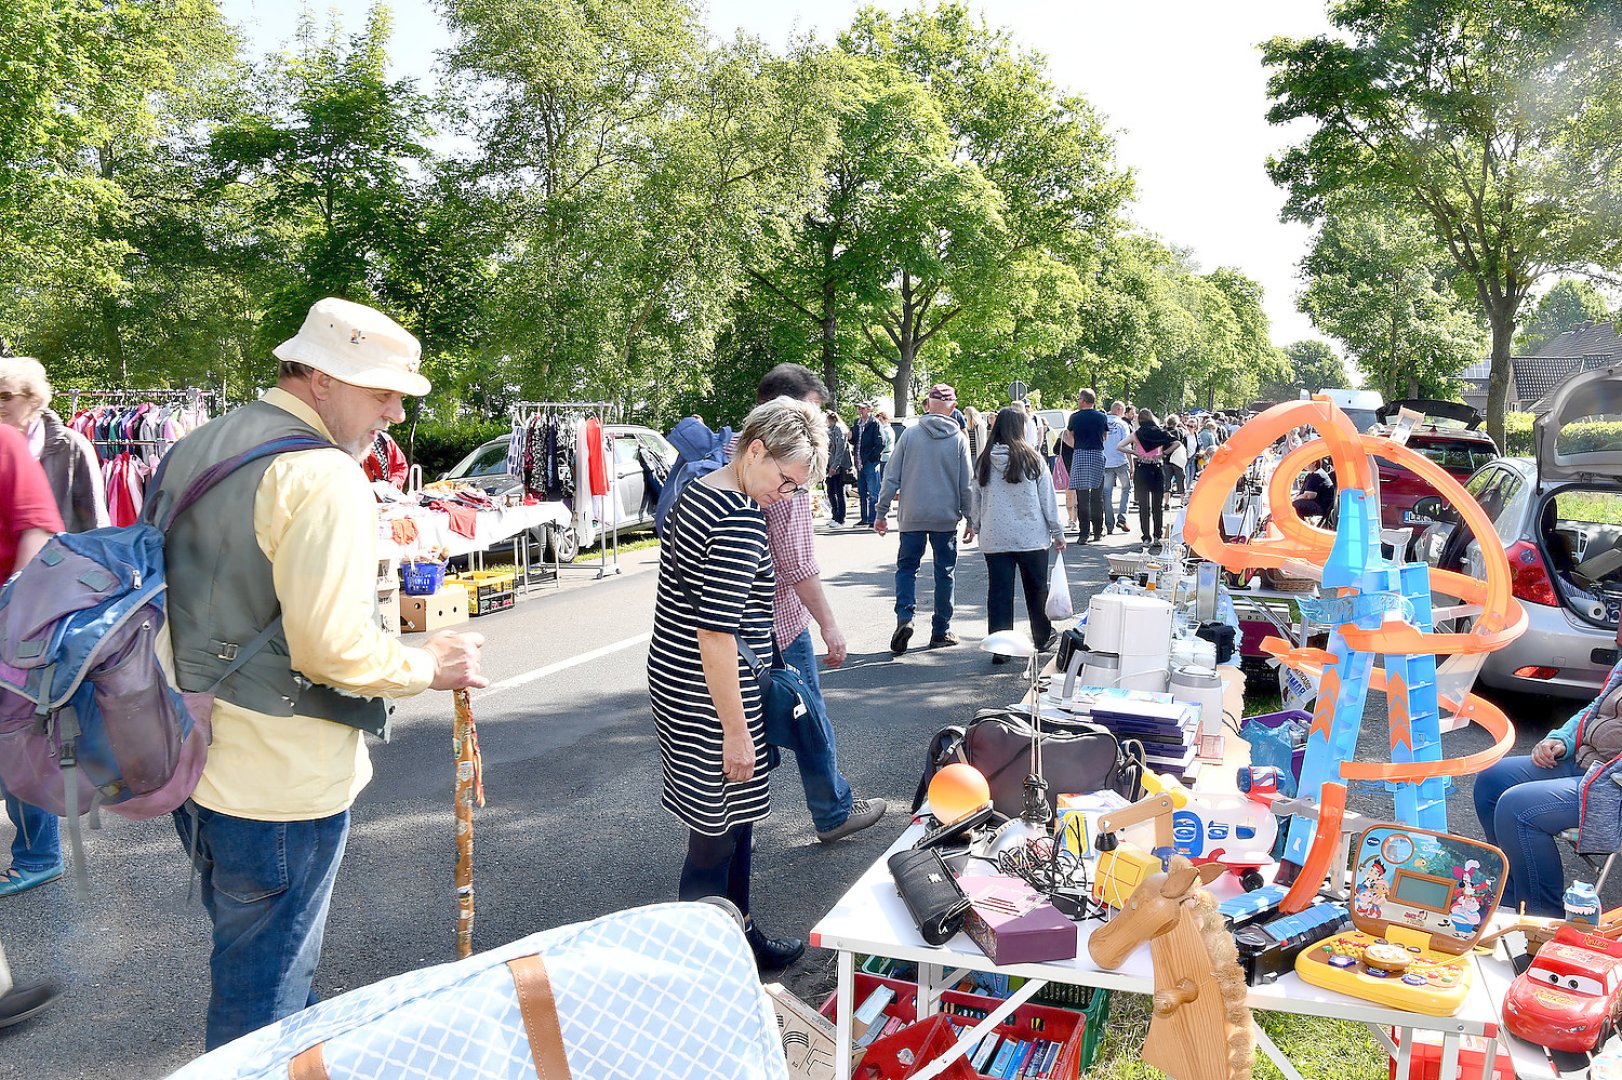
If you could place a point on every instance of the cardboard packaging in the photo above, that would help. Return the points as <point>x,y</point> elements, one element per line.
<point>808,1037</point>
<point>447,607</point>
<point>1078,819</point>
<point>1012,924</point>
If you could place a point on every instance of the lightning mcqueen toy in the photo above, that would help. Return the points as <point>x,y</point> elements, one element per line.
<point>1571,997</point>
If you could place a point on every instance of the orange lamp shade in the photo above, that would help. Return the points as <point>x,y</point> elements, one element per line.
<point>957,791</point>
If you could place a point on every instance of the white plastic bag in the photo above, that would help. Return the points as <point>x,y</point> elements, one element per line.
<point>1059,605</point>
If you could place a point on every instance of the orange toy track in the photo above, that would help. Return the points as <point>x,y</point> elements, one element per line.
<point>1288,538</point>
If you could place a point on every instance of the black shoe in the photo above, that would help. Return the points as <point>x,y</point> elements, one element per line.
<point>863,812</point>
<point>772,953</point>
<point>24,1001</point>
<point>1048,642</point>
<point>941,641</point>
<point>899,639</point>
<point>1145,539</point>
<point>1098,537</point>
<point>1000,658</point>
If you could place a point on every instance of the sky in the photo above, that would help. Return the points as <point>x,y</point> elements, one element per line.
<point>1179,82</point>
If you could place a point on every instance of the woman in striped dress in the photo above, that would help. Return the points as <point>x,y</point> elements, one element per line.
<point>716,586</point>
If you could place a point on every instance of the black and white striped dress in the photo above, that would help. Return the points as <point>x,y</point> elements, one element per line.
<point>717,548</point>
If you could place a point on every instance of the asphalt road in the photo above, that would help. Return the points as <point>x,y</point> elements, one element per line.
<point>572,829</point>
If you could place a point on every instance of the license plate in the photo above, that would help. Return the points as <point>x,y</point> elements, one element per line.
<point>1411,518</point>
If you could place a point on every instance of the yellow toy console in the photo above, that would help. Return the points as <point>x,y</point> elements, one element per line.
<point>1420,907</point>
<point>1121,871</point>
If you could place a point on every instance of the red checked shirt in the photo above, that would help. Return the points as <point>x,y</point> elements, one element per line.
<point>790,537</point>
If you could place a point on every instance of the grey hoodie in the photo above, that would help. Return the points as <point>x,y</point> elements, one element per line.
<point>1014,517</point>
<point>930,463</point>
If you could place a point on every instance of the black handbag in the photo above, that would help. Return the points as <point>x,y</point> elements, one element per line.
<point>1077,758</point>
<point>933,897</point>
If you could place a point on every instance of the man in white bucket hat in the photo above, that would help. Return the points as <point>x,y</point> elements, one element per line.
<point>272,607</point>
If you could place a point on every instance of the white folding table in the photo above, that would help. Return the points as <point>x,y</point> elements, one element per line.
<point>871,919</point>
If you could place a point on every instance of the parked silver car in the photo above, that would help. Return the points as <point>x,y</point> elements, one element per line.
<point>487,466</point>
<point>1559,517</point>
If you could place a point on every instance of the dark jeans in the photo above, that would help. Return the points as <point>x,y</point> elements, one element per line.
<point>719,866</point>
<point>1090,509</point>
<point>1032,567</point>
<point>266,886</point>
<point>836,498</point>
<point>1522,809</point>
<point>38,843</point>
<point>910,557</point>
<point>1150,482</point>
<point>867,491</point>
<point>827,795</point>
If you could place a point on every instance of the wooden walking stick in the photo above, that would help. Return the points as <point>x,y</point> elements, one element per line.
<point>469,786</point>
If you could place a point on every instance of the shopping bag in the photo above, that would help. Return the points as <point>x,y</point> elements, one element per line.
<point>1059,605</point>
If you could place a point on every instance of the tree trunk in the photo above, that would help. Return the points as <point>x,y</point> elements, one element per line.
<point>1502,320</point>
<point>830,329</point>
<point>906,350</point>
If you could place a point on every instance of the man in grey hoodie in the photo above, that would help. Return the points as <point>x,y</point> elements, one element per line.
<point>930,463</point>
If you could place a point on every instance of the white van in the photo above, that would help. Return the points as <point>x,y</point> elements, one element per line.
<point>1359,405</point>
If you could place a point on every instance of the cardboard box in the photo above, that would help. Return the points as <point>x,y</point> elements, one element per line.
<point>447,607</point>
<point>808,1036</point>
<point>1012,924</point>
<point>1078,819</point>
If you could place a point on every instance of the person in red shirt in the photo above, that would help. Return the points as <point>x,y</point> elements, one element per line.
<point>386,461</point>
<point>28,517</point>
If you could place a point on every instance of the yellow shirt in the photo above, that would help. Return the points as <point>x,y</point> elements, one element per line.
<point>316,521</point>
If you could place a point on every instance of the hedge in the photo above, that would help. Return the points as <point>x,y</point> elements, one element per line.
<point>440,444</point>
<point>1574,439</point>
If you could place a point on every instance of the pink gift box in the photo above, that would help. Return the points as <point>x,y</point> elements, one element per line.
<point>1013,924</point>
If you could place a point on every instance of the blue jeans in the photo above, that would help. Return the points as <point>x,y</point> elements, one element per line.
<point>1522,809</point>
<point>827,795</point>
<point>266,885</point>
<point>38,843</point>
<point>867,491</point>
<point>1117,477</point>
<point>910,557</point>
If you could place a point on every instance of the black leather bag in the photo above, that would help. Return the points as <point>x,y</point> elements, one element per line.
<point>933,897</point>
<point>1077,758</point>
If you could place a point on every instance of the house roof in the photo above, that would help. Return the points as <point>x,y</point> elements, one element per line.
<point>1584,347</point>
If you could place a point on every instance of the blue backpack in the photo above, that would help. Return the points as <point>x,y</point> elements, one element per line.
<point>88,717</point>
<point>699,452</point>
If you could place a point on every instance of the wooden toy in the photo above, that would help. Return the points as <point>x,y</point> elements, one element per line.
<point>1199,997</point>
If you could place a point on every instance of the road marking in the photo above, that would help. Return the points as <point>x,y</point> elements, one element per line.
<point>563,665</point>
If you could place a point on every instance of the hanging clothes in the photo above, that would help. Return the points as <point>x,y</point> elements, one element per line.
<point>597,459</point>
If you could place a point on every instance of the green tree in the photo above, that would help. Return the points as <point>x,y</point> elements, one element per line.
<point>1495,120</point>
<point>1569,302</point>
<point>1378,281</point>
<point>1313,366</point>
<point>1004,217</point>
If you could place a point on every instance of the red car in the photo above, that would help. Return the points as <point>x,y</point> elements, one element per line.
<point>1448,435</point>
<point>1568,999</point>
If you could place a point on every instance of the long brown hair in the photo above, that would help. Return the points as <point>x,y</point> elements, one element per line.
<point>1024,463</point>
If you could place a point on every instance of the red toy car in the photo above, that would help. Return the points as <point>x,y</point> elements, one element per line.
<point>1569,998</point>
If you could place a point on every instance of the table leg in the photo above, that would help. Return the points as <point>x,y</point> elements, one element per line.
<point>1274,1054</point>
<point>1405,1054</point>
<point>1489,1060</point>
<point>1450,1056</point>
<point>843,1006</point>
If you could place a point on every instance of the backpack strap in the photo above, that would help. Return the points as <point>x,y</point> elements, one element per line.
<point>211,476</point>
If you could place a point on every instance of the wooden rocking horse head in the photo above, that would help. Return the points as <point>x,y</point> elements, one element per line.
<point>1199,998</point>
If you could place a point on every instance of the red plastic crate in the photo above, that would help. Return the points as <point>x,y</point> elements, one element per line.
<point>1427,1059</point>
<point>1063,1026</point>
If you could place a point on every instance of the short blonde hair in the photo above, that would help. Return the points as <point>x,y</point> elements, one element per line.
<point>25,377</point>
<point>791,430</point>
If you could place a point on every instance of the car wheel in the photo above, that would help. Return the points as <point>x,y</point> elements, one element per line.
<point>1251,879</point>
<point>562,545</point>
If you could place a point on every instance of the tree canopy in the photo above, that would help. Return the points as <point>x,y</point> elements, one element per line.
<point>1493,120</point>
<point>1568,302</point>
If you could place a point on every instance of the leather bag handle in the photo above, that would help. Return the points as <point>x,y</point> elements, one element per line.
<point>536,1004</point>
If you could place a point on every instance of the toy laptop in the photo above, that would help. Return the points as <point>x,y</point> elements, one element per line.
<point>1422,901</point>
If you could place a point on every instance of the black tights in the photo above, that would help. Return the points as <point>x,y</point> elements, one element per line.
<point>1151,483</point>
<point>719,866</point>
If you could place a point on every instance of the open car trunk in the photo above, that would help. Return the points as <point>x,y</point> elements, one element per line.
<point>1578,431</point>
<point>1580,532</point>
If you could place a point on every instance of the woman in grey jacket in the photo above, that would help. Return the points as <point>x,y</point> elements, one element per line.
<point>1017,519</point>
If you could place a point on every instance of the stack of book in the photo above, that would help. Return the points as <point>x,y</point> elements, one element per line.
<point>1168,730</point>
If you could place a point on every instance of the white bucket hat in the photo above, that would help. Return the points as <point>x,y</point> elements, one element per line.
<point>360,346</point>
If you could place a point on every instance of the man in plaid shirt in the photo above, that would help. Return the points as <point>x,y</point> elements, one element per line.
<point>834,810</point>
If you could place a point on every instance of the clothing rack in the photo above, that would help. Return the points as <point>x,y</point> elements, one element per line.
<point>608,412</point>
<point>194,397</point>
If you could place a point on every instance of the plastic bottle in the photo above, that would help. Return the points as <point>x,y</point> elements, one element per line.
<point>1582,904</point>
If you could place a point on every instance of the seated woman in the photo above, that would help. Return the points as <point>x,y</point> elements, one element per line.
<point>1524,803</point>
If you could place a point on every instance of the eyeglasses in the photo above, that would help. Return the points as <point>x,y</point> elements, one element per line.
<point>788,486</point>
<point>7,395</point>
